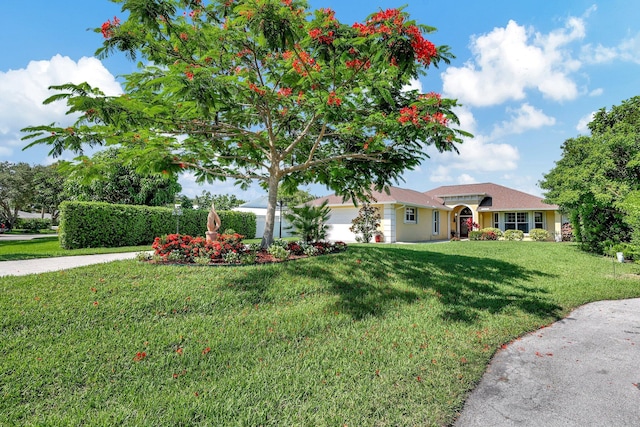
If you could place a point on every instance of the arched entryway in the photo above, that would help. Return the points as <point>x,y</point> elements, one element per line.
<point>463,216</point>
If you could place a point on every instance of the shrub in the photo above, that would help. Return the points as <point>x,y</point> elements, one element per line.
<point>484,234</point>
<point>567,232</point>
<point>33,225</point>
<point>629,251</point>
<point>539,234</point>
<point>366,223</point>
<point>278,252</point>
<point>513,235</point>
<point>494,230</point>
<point>309,222</point>
<point>475,235</point>
<point>97,224</point>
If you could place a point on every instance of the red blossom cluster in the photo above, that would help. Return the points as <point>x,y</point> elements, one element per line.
<point>257,90</point>
<point>108,26</point>
<point>321,37</point>
<point>432,95</point>
<point>193,247</point>
<point>357,64</point>
<point>285,91</point>
<point>391,21</point>
<point>411,114</point>
<point>333,99</point>
<point>302,62</point>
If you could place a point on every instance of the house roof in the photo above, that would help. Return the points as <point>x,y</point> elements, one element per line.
<point>493,197</point>
<point>396,195</point>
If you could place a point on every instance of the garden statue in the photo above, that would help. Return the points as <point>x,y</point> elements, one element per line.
<point>213,224</point>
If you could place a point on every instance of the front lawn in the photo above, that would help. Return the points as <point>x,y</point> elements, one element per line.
<point>379,335</point>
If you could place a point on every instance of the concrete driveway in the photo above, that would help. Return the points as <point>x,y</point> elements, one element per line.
<point>582,371</point>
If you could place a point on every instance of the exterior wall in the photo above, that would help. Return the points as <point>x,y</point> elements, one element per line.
<point>485,220</point>
<point>388,223</point>
<point>423,230</point>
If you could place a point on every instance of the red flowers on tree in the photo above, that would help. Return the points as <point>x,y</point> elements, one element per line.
<point>218,96</point>
<point>108,26</point>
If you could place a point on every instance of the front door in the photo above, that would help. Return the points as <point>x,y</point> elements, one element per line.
<point>464,216</point>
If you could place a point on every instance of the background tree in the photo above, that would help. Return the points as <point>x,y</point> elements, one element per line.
<point>48,183</point>
<point>309,222</point>
<point>366,223</point>
<point>263,90</point>
<point>16,190</point>
<point>597,180</point>
<point>105,179</point>
<point>293,197</point>
<point>223,202</point>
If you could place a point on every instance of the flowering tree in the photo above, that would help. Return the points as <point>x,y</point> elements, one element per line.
<point>263,90</point>
<point>366,223</point>
<point>472,225</point>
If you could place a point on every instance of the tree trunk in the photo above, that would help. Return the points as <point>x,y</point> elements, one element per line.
<point>270,220</point>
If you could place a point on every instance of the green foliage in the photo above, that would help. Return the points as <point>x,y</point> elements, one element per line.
<point>366,223</point>
<point>48,182</point>
<point>539,234</point>
<point>33,225</point>
<point>98,224</point>
<point>309,221</point>
<point>596,174</point>
<point>106,178</point>
<point>513,235</point>
<point>16,190</point>
<point>278,252</point>
<point>263,91</point>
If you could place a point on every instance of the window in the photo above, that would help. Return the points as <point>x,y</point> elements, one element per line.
<point>538,220</point>
<point>411,215</point>
<point>516,221</point>
<point>436,222</point>
<point>496,220</point>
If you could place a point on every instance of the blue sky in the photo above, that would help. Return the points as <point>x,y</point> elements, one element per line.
<point>528,73</point>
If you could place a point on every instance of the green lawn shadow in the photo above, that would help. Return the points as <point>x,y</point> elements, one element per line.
<point>365,280</point>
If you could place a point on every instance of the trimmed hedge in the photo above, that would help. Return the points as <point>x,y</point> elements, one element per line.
<point>98,224</point>
<point>539,234</point>
<point>32,225</point>
<point>513,235</point>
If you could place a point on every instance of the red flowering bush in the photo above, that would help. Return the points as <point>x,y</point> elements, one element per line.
<point>228,248</point>
<point>177,247</point>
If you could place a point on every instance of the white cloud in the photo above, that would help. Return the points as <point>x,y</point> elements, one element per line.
<point>627,50</point>
<point>465,179</point>
<point>22,92</point>
<point>414,84</point>
<point>508,61</point>
<point>440,174</point>
<point>596,92</point>
<point>522,119</point>
<point>583,122</point>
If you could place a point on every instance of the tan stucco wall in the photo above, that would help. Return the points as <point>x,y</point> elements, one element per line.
<point>423,230</point>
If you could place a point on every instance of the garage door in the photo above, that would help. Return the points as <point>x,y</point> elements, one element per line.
<point>339,222</point>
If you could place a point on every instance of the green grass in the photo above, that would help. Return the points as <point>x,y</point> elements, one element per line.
<point>380,335</point>
<point>44,247</point>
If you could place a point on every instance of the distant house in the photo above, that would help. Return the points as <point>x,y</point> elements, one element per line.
<point>259,207</point>
<point>438,214</point>
<point>492,205</point>
<point>407,216</point>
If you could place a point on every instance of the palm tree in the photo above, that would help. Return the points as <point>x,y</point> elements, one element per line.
<point>309,222</point>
